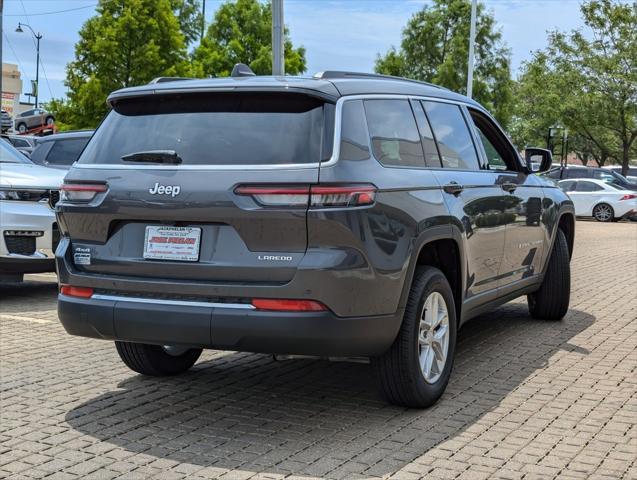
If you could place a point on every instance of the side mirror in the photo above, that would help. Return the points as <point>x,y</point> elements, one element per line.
<point>538,159</point>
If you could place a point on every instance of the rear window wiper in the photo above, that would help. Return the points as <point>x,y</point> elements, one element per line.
<point>154,156</point>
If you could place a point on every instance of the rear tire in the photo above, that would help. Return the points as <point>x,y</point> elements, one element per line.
<point>603,212</point>
<point>551,301</point>
<point>422,340</point>
<point>49,121</point>
<point>22,127</point>
<point>155,360</point>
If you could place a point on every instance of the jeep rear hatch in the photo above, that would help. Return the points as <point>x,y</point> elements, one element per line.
<point>163,189</point>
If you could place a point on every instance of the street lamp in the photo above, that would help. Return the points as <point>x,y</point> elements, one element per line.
<point>37,36</point>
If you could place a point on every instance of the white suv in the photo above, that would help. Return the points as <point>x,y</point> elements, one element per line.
<point>28,231</point>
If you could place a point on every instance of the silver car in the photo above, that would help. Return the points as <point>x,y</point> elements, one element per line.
<point>36,117</point>
<point>6,121</point>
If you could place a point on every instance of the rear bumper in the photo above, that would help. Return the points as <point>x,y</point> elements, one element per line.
<point>226,327</point>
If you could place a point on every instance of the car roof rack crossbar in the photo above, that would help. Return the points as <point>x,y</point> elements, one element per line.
<point>338,74</point>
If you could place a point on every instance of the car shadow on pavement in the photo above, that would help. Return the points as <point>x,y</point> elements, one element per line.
<point>319,418</point>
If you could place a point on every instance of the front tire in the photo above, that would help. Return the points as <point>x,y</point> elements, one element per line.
<point>551,301</point>
<point>157,360</point>
<point>603,212</point>
<point>414,372</point>
<point>49,121</point>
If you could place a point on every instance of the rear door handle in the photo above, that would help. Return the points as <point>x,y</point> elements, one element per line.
<point>509,187</point>
<point>453,188</point>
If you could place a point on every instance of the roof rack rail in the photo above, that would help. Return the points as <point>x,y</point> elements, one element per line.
<point>334,74</point>
<point>168,79</point>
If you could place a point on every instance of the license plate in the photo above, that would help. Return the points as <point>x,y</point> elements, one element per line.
<point>172,243</point>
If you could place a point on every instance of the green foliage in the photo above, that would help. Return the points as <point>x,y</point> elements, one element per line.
<point>588,83</point>
<point>241,33</point>
<point>188,13</point>
<point>435,48</point>
<point>128,42</point>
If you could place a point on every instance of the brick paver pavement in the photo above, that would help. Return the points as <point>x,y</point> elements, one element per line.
<point>527,399</point>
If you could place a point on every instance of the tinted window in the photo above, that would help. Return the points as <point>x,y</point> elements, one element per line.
<point>452,134</point>
<point>354,136</point>
<point>213,129</point>
<point>605,176</point>
<point>584,186</point>
<point>27,113</point>
<point>20,142</point>
<point>494,159</point>
<point>66,151</point>
<point>395,138</point>
<point>576,173</point>
<point>432,159</point>
<point>568,186</point>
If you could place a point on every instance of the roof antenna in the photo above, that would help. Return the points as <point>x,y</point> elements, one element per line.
<point>242,70</point>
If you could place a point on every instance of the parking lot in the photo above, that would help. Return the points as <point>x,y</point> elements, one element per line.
<point>527,399</point>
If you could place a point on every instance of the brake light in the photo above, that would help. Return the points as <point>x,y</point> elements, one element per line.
<point>268,195</point>
<point>314,196</point>
<point>342,196</point>
<point>280,305</point>
<point>80,192</point>
<point>71,291</point>
<point>628,196</point>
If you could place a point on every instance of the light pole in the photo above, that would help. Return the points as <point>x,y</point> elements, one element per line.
<point>472,41</point>
<point>38,37</point>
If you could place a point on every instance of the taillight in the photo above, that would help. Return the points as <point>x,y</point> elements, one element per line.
<point>628,196</point>
<point>320,196</point>
<point>80,192</point>
<point>342,196</point>
<point>280,305</point>
<point>71,291</point>
<point>269,196</point>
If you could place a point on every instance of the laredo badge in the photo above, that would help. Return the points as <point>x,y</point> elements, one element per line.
<point>82,256</point>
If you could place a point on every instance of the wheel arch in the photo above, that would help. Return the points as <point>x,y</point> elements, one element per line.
<point>439,247</point>
<point>566,223</point>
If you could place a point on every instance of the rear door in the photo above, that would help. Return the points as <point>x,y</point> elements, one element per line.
<point>207,217</point>
<point>586,196</point>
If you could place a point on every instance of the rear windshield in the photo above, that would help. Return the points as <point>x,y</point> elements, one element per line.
<point>213,129</point>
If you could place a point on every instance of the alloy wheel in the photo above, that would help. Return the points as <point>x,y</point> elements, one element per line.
<point>433,337</point>
<point>603,213</point>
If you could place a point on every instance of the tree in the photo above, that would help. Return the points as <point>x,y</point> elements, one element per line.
<point>435,48</point>
<point>241,33</point>
<point>188,13</point>
<point>128,42</point>
<point>588,82</point>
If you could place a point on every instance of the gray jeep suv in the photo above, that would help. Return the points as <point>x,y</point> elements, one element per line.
<point>340,215</point>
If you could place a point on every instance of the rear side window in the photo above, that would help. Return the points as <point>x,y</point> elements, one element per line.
<point>568,186</point>
<point>213,129</point>
<point>576,173</point>
<point>454,140</point>
<point>583,186</point>
<point>354,136</point>
<point>395,137</point>
<point>66,151</point>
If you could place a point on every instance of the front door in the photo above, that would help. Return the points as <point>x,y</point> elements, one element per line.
<point>525,235</point>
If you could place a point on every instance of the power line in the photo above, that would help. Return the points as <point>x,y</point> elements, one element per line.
<point>46,78</point>
<point>16,57</point>
<point>55,11</point>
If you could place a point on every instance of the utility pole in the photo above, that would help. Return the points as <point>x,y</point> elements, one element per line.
<point>278,59</point>
<point>203,20</point>
<point>472,40</point>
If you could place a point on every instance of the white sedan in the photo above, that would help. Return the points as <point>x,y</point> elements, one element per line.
<point>28,230</point>
<point>600,200</point>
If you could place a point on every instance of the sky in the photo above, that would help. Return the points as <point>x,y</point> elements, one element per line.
<point>337,34</point>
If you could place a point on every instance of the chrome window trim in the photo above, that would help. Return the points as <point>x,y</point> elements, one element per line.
<point>180,303</point>
<point>291,166</point>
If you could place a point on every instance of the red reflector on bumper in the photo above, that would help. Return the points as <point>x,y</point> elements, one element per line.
<point>82,292</point>
<point>288,305</point>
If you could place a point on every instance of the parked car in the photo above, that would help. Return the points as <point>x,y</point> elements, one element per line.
<point>60,150</point>
<point>29,232</point>
<point>6,122</point>
<point>340,215</point>
<point>631,176</point>
<point>603,201</point>
<point>36,117</point>
<point>22,143</point>
<point>608,176</point>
